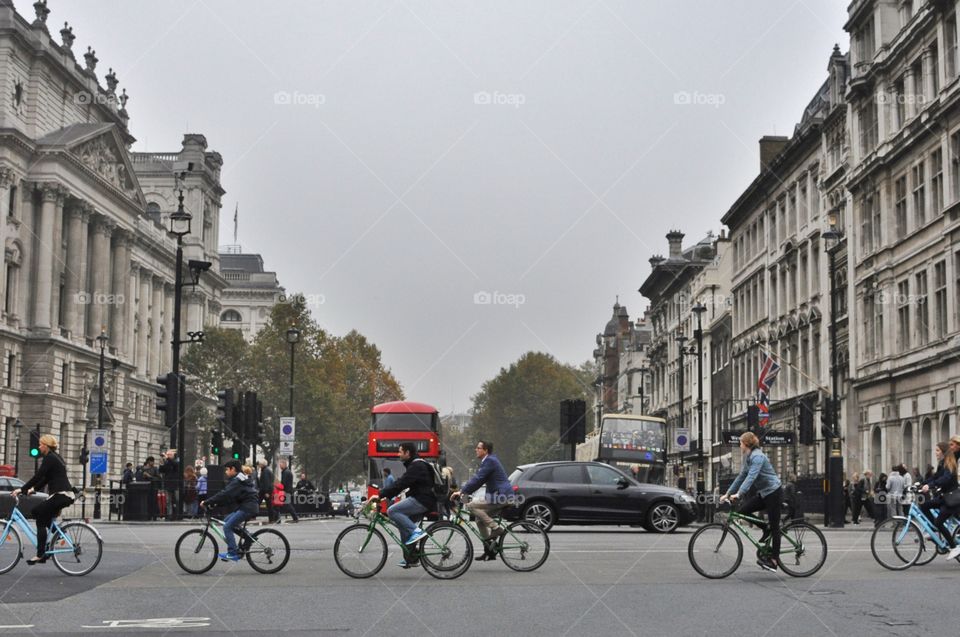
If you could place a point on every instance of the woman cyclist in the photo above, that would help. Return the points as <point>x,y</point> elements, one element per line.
<point>944,479</point>
<point>53,475</point>
<point>767,494</point>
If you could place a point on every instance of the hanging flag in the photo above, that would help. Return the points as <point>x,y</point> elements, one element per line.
<point>768,374</point>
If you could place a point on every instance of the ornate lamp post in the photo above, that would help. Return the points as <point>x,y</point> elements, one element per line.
<point>835,505</point>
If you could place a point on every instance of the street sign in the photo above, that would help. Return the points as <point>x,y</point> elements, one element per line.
<point>288,430</point>
<point>767,438</point>
<point>683,439</point>
<point>98,462</point>
<point>98,440</point>
<point>286,447</point>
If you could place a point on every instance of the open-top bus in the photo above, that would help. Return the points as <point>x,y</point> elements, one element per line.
<point>393,423</point>
<point>625,440</point>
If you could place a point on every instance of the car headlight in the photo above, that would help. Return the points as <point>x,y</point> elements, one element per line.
<point>687,498</point>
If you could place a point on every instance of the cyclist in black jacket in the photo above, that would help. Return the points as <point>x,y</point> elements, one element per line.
<point>945,479</point>
<point>419,479</point>
<point>241,494</point>
<point>51,474</point>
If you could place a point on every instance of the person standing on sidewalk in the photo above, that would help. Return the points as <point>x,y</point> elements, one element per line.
<point>286,479</point>
<point>170,477</point>
<point>894,492</point>
<point>265,487</point>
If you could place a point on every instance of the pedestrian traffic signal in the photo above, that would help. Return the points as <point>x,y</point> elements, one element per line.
<point>167,394</point>
<point>216,443</point>
<point>237,450</point>
<point>34,443</point>
<point>225,410</point>
<point>826,419</point>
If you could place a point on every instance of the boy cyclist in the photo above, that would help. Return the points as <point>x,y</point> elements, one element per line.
<point>241,494</point>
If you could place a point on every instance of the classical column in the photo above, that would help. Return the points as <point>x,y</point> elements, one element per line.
<point>58,260</point>
<point>168,326</point>
<point>130,346</point>
<point>100,274</point>
<point>908,95</point>
<point>76,256</point>
<point>118,308</point>
<point>929,78</point>
<point>143,309</point>
<point>51,195</point>
<point>159,334</point>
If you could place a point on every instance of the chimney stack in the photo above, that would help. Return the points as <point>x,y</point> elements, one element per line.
<point>675,239</point>
<point>770,147</point>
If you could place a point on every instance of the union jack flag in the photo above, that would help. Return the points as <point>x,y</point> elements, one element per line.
<point>768,374</point>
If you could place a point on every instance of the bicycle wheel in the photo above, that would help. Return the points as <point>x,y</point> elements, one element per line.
<point>196,551</point>
<point>928,552</point>
<point>360,551</point>
<point>896,543</point>
<point>269,552</point>
<point>446,552</point>
<point>803,549</point>
<point>524,547</point>
<point>11,549</point>
<point>715,551</point>
<point>86,551</point>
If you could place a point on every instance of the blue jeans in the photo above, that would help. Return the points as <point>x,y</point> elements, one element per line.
<point>401,512</point>
<point>230,523</point>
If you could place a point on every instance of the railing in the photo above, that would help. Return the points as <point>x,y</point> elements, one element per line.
<point>150,157</point>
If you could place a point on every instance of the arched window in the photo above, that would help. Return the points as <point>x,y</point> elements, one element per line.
<point>231,316</point>
<point>926,444</point>
<point>876,450</point>
<point>944,428</point>
<point>153,212</point>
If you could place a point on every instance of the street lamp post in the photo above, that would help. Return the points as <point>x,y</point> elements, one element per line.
<point>17,426</point>
<point>102,340</point>
<point>293,337</point>
<point>681,339</point>
<point>643,381</point>
<point>699,309</point>
<point>835,506</point>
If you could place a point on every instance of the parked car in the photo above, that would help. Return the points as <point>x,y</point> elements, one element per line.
<point>341,504</point>
<point>596,493</point>
<point>27,502</point>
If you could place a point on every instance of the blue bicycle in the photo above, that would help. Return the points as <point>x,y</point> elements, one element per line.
<point>76,547</point>
<point>902,541</point>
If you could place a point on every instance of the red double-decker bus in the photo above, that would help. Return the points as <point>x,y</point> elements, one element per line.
<point>393,423</point>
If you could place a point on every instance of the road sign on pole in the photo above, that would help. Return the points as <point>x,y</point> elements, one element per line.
<point>286,447</point>
<point>288,429</point>
<point>99,439</point>
<point>683,439</point>
<point>98,462</point>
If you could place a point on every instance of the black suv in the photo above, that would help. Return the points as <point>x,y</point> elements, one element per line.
<point>597,493</point>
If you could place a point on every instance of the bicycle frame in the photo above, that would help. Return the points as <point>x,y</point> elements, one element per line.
<point>915,515</point>
<point>378,519</point>
<point>734,518</point>
<point>26,529</point>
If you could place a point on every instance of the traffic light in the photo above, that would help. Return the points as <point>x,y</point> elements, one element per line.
<point>225,409</point>
<point>826,419</point>
<point>249,417</point>
<point>806,421</point>
<point>84,455</point>
<point>216,442</point>
<point>753,418</point>
<point>34,443</point>
<point>237,449</point>
<point>167,395</point>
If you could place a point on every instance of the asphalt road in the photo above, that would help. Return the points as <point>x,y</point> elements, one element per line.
<point>597,581</point>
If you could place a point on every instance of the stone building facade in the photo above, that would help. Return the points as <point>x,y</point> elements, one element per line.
<point>81,255</point>
<point>250,294</point>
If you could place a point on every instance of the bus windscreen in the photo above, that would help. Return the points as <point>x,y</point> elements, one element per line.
<point>404,422</point>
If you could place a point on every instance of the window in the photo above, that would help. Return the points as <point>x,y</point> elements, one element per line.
<point>950,47</point>
<point>900,205</point>
<point>65,378</point>
<point>231,316</point>
<point>900,103</point>
<point>11,368</point>
<point>814,267</point>
<point>935,69</point>
<point>603,475</point>
<point>773,294</point>
<point>955,160</point>
<point>567,474</point>
<point>940,298</point>
<point>919,196</point>
<point>10,292</point>
<point>867,118</point>
<point>936,182</point>
<point>804,265</point>
<point>865,43</point>
<point>903,315</point>
<point>802,202</point>
<point>870,223</point>
<point>773,225</point>
<point>919,96</point>
<point>12,202</point>
<point>868,327</point>
<point>923,309</point>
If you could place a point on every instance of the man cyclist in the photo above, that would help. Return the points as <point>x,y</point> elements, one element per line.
<point>767,494</point>
<point>241,493</point>
<point>499,495</point>
<point>418,481</point>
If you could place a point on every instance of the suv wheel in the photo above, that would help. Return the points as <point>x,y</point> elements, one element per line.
<point>541,514</point>
<point>663,517</point>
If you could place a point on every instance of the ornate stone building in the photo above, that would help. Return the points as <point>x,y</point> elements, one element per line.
<point>81,253</point>
<point>250,294</point>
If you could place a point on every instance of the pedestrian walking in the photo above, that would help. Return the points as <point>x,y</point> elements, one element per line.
<point>202,484</point>
<point>265,488</point>
<point>895,484</point>
<point>149,473</point>
<point>286,481</point>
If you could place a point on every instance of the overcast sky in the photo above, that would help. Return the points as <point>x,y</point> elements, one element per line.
<point>393,159</point>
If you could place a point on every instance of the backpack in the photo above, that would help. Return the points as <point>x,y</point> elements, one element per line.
<point>440,489</point>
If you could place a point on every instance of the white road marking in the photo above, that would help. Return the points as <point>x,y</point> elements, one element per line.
<point>163,622</point>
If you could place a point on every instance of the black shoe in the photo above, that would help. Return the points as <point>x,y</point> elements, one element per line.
<point>765,535</point>
<point>486,557</point>
<point>36,560</point>
<point>767,564</point>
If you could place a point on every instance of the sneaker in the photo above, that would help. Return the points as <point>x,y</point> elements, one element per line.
<point>767,564</point>
<point>954,553</point>
<point>408,563</point>
<point>229,557</point>
<point>417,535</point>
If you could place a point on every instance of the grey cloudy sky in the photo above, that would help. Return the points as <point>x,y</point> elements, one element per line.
<point>394,158</point>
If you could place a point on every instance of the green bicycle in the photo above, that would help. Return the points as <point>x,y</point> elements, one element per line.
<point>360,550</point>
<point>523,547</point>
<point>715,550</point>
<point>266,550</point>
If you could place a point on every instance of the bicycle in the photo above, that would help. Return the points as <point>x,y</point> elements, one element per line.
<point>360,550</point>
<point>267,550</point>
<point>76,547</point>
<point>520,542</point>
<point>903,536</point>
<point>716,550</point>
